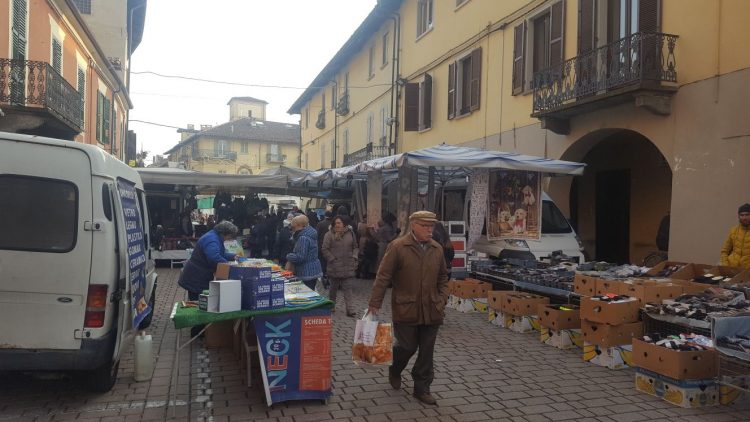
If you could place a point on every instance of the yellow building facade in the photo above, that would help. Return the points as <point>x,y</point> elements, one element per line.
<point>243,145</point>
<point>651,95</point>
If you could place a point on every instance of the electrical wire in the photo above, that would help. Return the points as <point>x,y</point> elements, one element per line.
<point>155,124</point>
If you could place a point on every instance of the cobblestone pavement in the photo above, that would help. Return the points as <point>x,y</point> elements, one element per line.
<point>483,372</point>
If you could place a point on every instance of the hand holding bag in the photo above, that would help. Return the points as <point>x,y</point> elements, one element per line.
<point>373,342</point>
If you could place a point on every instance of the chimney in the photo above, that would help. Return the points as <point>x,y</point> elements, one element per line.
<point>205,127</point>
<point>191,126</point>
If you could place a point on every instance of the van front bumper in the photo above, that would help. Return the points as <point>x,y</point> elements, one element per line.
<point>92,354</point>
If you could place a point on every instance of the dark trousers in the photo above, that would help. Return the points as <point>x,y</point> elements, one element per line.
<point>409,339</point>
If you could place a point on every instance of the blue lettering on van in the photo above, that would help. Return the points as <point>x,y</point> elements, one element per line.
<point>135,249</point>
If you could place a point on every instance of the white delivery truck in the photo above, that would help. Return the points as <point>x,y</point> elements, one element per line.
<point>76,278</point>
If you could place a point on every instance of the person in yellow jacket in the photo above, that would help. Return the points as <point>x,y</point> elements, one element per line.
<point>736,249</point>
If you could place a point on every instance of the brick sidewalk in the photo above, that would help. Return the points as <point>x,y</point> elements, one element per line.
<point>483,372</point>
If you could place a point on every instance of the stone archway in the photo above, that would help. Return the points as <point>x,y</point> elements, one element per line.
<point>617,205</point>
<point>245,170</point>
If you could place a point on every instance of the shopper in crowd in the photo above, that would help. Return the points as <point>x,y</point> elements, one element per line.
<point>736,249</point>
<point>322,228</point>
<point>284,244</point>
<point>343,212</point>
<point>362,229</point>
<point>414,267</point>
<point>305,255</point>
<point>386,232</point>
<point>369,251</point>
<point>208,252</point>
<point>440,235</point>
<point>341,251</point>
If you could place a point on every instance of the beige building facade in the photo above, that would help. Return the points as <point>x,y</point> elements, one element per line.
<point>651,95</point>
<point>246,144</point>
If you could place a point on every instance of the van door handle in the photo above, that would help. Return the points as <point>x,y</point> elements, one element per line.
<point>92,226</point>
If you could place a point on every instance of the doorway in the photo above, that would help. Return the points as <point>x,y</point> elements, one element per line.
<point>613,216</point>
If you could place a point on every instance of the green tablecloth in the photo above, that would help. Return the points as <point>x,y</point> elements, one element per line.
<point>184,317</point>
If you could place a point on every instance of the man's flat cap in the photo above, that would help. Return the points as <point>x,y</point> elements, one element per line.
<point>424,216</point>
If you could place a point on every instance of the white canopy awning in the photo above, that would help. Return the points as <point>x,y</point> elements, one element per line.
<point>449,157</point>
<point>181,177</point>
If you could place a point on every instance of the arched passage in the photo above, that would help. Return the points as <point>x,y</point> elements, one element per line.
<point>617,205</point>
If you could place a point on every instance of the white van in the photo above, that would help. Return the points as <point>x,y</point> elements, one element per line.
<point>75,273</point>
<point>557,235</point>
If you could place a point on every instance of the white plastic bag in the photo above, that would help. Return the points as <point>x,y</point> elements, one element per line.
<point>373,342</point>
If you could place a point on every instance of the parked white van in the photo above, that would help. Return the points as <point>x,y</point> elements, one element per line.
<point>557,235</point>
<point>75,273</point>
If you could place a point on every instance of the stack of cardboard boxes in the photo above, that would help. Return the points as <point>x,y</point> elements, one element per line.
<point>520,311</point>
<point>561,326</point>
<point>468,295</point>
<point>684,378</point>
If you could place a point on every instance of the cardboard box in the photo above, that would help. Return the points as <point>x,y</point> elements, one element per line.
<point>277,285</point>
<point>584,285</point>
<point>656,269</point>
<point>647,291</point>
<point>278,300</point>
<point>562,339</point>
<point>256,302</point>
<point>524,324</point>
<point>260,274</point>
<point>523,304</point>
<point>613,313</point>
<point>674,364</point>
<point>552,317</point>
<point>689,287</point>
<point>691,271</point>
<point>691,393</point>
<point>610,335</point>
<point>224,296</point>
<point>495,298</point>
<point>219,335</point>
<point>604,286</point>
<point>222,271</point>
<point>616,357</point>
<point>471,305</point>
<point>648,382</point>
<point>730,395</point>
<point>471,289</point>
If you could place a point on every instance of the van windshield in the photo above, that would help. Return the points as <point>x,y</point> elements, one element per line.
<point>553,221</point>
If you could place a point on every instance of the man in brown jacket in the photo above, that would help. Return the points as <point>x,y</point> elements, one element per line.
<point>414,267</point>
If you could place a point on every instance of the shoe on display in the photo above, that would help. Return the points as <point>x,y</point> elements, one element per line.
<point>425,398</point>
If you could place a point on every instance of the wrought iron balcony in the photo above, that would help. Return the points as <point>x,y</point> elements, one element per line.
<point>367,153</point>
<point>644,61</point>
<point>342,107</point>
<point>27,85</point>
<point>275,158</point>
<point>211,154</point>
<point>321,122</point>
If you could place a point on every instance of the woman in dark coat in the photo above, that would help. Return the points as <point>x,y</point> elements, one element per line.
<point>341,251</point>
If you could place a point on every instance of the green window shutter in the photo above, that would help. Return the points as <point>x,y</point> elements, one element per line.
<point>19,29</point>
<point>57,56</point>
<point>114,126</point>
<point>106,120</point>
<point>99,116</point>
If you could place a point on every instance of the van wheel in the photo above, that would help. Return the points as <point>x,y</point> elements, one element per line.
<point>146,322</point>
<point>103,378</point>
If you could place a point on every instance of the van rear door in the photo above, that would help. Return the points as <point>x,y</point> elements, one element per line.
<point>45,252</point>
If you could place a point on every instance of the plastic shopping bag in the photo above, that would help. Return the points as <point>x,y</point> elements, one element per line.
<point>373,342</point>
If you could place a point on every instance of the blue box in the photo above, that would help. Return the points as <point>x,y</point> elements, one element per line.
<point>277,300</point>
<point>256,302</point>
<point>250,273</point>
<point>277,285</point>
<point>253,287</point>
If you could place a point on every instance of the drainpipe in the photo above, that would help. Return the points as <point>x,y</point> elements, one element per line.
<point>335,145</point>
<point>393,127</point>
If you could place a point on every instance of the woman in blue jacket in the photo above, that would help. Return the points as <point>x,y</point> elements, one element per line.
<point>305,255</point>
<point>208,252</point>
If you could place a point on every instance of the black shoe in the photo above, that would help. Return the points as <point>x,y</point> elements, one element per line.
<point>395,381</point>
<point>351,314</point>
<point>425,398</point>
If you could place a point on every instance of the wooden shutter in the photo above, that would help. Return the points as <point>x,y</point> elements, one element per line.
<point>476,79</point>
<point>411,107</point>
<point>451,91</point>
<point>106,119</point>
<point>648,16</point>
<point>518,57</point>
<point>19,30</point>
<point>426,109</point>
<point>114,126</point>
<point>57,56</point>
<point>586,26</point>
<point>82,83</point>
<point>557,33</point>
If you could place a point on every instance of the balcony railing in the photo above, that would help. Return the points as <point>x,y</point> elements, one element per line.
<point>367,153</point>
<point>321,122</point>
<point>275,158</point>
<point>26,83</point>
<point>342,107</point>
<point>643,59</point>
<point>211,154</point>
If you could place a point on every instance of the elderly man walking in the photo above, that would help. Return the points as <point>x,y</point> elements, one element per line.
<point>414,267</point>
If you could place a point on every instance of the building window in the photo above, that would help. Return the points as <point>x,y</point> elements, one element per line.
<point>221,149</point>
<point>418,105</point>
<point>383,125</point>
<point>424,16</point>
<point>250,113</point>
<point>84,6</point>
<point>82,91</point>
<point>333,96</point>
<point>103,113</point>
<point>384,59</point>
<point>370,124</point>
<point>371,63</point>
<point>307,117</point>
<point>464,84</point>
<point>243,147</point>
<point>57,55</point>
<point>537,45</point>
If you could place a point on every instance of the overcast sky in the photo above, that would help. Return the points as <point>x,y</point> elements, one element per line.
<point>254,42</point>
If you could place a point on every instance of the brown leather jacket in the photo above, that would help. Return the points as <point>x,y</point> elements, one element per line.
<point>419,280</point>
